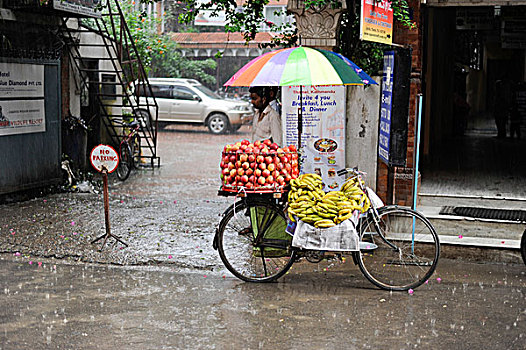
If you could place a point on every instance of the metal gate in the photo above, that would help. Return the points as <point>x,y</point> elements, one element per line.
<point>30,133</point>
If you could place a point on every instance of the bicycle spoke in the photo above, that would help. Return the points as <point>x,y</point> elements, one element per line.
<point>406,249</point>
<point>248,236</point>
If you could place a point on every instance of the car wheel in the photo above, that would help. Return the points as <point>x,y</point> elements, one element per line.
<point>235,128</point>
<point>218,124</point>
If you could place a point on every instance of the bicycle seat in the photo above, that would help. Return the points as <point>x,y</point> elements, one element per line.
<point>132,124</point>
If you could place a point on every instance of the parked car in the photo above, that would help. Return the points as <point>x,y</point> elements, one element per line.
<point>188,101</point>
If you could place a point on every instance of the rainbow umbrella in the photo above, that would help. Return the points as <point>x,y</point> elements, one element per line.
<point>299,66</point>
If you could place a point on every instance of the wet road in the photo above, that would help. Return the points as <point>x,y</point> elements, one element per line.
<point>174,293</point>
<point>63,306</point>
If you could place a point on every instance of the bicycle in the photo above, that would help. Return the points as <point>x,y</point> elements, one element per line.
<point>398,250</point>
<point>129,150</point>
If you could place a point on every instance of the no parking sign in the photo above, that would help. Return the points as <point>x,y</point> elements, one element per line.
<point>104,157</point>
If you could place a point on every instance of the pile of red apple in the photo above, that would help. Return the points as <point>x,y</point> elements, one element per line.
<point>261,165</point>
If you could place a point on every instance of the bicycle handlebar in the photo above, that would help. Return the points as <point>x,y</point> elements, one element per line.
<point>353,171</point>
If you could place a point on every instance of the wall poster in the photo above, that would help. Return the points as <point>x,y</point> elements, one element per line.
<point>21,98</point>
<point>323,135</point>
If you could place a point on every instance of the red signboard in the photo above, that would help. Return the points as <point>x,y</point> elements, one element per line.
<point>376,21</point>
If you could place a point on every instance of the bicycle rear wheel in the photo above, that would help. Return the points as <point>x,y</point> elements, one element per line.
<point>399,252</point>
<point>252,242</point>
<point>125,162</point>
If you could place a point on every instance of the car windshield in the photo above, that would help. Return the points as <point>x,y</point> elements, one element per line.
<point>207,91</point>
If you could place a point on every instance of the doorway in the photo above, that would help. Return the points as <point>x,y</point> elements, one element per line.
<point>472,80</point>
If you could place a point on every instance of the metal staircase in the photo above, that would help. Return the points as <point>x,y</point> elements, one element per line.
<point>109,71</point>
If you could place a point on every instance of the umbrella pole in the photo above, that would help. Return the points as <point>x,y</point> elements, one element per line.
<point>300,119</point>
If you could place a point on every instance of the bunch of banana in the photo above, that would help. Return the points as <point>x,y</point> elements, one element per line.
<point>311,204</point>
<point>352,188</point>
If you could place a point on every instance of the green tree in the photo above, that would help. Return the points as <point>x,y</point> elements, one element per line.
<point>158,52</point>
<point>367,55</point>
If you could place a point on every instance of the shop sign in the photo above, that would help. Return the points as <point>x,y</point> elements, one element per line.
<point>79,7</point>
<point>21,98</point>
<point>323,133</point>
<point>513,34</point>
<point>384,136</point>
<point>376,21</point>
<point>474,18</point>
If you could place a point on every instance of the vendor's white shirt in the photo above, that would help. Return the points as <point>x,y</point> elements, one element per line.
<point>269,126</point>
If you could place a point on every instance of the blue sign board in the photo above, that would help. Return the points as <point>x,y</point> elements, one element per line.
<point>384,135</point>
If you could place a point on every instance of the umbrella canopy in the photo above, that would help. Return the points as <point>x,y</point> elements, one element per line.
<point>300,66</point>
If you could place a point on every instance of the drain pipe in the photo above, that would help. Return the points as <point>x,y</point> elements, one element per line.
<point>416,158</point>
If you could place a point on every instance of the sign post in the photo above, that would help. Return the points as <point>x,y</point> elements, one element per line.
<point>105,160</point>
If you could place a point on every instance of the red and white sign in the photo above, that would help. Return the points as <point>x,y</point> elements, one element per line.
<point>104,157</point>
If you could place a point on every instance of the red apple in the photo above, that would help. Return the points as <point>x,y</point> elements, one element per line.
<point>275,173</point>
<point>232,158</point>
<point>267,142</point>
<point>238,164</point>
<point>270,179</point>
<point>251,158</point>
<point>268,159</point>
<point>245,165</point>
<point>249,171</point>
<point>271,167</point>
<point>253,165</point>
<point>252,179</point>
<point>264,151</point>
<point>225,171</point>
<point>249,185</point>
<point>243,157</point>
<point>257,172</point>
<point>260,159</point>
<point>245,142</point>
<point>273,146</point>
<point>233,172</point>
<point>280,166</point>
<point>261,180</point>
<point>262,166</point>
<point>265,173</point>
<point>244,179</point>
<point>292,148</point>
<point>257,143</point>
<point>243,148</point>
<point>240,171</point>
<point>280,180</point>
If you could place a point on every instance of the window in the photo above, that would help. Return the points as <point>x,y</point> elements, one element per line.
<point>159,91</point>
<point>183,93</point>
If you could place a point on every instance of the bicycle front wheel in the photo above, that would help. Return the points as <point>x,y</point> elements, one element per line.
<point>125,162</point>
<point>252,242</point>
<point>399,250</point>
<point>136,151</point>
<point>523,246</point>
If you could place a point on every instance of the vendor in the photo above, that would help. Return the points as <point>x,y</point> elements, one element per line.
<point>267,122</point>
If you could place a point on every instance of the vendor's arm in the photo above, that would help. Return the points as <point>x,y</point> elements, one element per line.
<point>275,128</point>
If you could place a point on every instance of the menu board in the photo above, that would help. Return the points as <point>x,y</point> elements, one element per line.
<point>323,132</point>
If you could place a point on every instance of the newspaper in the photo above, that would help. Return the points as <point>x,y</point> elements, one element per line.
<point>342,237</point>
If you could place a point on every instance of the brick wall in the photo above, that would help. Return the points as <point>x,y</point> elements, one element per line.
<point>395,184</point>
